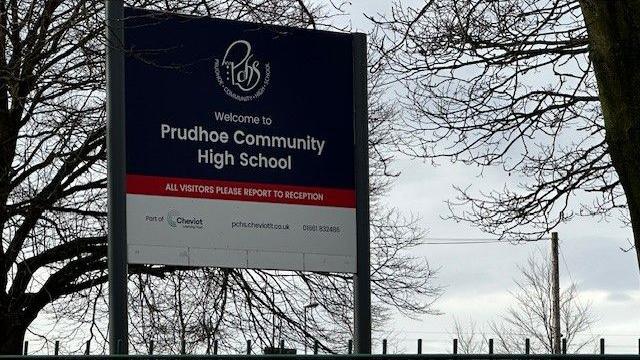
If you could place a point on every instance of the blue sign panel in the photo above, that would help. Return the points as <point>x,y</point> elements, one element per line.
<point>274,91</point>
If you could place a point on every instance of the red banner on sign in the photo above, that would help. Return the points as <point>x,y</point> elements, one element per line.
<point>239,191</point>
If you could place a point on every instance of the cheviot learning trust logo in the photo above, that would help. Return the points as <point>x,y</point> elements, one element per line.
<point>241,75</point>
<point>172,216</point>
<point>175,219</point>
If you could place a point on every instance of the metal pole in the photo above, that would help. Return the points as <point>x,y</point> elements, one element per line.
<point>362,282</point>
<point>117,252</point>
<point>306,308</point>
<point>555,293</point>
<point>273,318</point>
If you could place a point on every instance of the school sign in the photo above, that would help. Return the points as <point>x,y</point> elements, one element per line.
<point>239,144</point>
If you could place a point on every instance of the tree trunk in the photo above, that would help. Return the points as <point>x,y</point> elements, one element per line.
<point>12,333</point>
<point>614,49</point>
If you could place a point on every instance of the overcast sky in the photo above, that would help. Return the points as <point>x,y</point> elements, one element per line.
<point>478,277</point>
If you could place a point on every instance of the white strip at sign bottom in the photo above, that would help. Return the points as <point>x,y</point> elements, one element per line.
<point>240,234</point>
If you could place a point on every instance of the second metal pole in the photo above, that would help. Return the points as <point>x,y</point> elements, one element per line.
<point>362,282</point>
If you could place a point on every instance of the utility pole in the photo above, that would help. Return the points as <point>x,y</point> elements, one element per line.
<point>555,293</point>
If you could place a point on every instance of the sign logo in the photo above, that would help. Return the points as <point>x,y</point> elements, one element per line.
<point>175,219</point>
<point>172,216</point>
<point>241,75</point>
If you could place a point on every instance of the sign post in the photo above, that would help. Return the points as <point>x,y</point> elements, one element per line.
<point>117,236</point>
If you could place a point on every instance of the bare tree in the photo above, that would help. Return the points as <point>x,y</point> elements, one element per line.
<point>530,316</point>
<point>544,90</point>
<point>471,338</point>
<point>52,197</point>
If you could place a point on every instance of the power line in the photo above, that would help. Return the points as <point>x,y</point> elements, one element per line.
<point>577,299</point>
<point>463,241</point>
<point>460,242</point>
